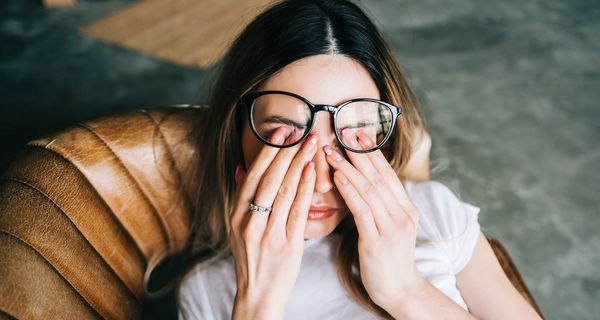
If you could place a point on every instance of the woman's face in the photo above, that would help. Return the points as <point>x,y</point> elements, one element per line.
<point>322,79</point>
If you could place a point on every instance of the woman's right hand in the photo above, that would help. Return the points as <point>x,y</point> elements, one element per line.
<point>267,247</point>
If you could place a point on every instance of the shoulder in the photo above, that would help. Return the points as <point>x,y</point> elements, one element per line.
<point>445,217</point>
<point>442,213</point>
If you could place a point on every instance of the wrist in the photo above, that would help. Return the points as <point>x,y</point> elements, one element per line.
<point>405,296</point>
<point>246,307</point>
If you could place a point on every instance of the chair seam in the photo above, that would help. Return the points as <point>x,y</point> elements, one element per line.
<point>69,162</point>
<point>10,234</point>
<point>10,178</point>
<point>171,157</point>
<point>154,211</point>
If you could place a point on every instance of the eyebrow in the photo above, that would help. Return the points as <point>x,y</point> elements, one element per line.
<point>279,119</point>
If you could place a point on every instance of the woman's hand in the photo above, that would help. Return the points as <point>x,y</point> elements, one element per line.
<point>385,217</point>
<point>268,247</point>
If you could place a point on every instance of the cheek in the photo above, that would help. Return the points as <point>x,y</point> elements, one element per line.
<point>250,146</point>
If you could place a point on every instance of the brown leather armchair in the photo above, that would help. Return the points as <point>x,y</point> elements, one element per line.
<point>88,212</point>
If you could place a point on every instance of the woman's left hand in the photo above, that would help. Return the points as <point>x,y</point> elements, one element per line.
<point>385,217</point>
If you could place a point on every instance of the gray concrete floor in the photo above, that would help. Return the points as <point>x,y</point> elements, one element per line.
<point>510,91</point>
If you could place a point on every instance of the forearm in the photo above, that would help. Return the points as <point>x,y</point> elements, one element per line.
<point>425,301</point>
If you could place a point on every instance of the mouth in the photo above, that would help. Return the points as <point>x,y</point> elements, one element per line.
<point>321,212</point>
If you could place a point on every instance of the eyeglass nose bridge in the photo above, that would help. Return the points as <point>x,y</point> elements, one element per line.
<point>324,107</point>
<point>331,109</point>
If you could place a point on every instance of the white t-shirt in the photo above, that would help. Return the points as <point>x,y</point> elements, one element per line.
<point>208,289</point>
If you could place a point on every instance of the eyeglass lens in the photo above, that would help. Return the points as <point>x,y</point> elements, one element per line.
<point>271,111</point>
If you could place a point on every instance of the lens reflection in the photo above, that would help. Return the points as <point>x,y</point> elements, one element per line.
<point>373,119</point>
<point>271,111</point>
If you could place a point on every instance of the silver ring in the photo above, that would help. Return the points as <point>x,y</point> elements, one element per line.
<point>259,209</point>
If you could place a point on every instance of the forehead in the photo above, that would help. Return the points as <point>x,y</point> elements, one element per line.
<point>325,79</point>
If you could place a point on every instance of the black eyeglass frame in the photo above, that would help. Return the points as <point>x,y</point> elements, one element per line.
<point>248,101</point>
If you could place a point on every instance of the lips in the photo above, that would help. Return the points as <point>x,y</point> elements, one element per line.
<point>321,212</point>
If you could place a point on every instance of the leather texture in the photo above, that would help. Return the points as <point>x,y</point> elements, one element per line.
<point>86,213</point>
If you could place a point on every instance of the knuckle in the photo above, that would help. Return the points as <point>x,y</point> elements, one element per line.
<point>233,223</point>
<point>273,241</point>
<point>268,180</point>
<point>378,181</point>
<point>235,220</point>
<point>370,189</point>
<point>285,191</point>
<point>252,178</point>
<point>406,224</point>
<point>295,214</point>
<point>363,215</point>
<point>249,235</point>
<point>413,212</point>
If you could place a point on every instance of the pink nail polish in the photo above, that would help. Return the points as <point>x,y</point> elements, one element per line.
<point>366,140</point>
<point>237,170</point>
<point>308,170</point>
<point>311,141</point>
<point>334,155</point>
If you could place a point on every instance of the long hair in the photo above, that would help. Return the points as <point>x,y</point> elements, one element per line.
<point>285,32</point>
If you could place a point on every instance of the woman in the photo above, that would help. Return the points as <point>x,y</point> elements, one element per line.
<point>307,192</point>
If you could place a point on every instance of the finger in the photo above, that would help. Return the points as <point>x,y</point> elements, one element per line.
<point>269,185</point>
<point>247,187</point>
<point>234,227</point>
<point>360,160</point>
<point>378,160</point>
<point>296,222</point>
<point>360,210</point>
<point>240,178</point>
<point>273,176</point>
<point>288,188</point>
<point>368,191</point>
<point>364,164</point>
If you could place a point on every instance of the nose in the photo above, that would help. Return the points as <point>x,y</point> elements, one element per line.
<point>322,127</point>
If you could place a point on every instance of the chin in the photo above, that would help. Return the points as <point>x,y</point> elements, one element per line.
<point>322,227</point>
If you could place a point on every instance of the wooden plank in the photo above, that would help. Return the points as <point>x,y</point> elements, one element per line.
<point>58,3</point>
<point>186,32</point>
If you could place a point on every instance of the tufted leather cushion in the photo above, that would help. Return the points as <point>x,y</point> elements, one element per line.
<point>86,213</point>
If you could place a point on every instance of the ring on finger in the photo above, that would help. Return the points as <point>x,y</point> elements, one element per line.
<point>259,209</point>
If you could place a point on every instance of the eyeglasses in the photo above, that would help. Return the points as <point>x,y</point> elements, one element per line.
<point>269,110</point>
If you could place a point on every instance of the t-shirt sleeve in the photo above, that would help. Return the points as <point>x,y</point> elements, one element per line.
<point>444,216</point>
<point>463,246</point>
<point>193,299</point>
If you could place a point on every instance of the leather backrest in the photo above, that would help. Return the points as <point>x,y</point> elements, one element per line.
<point>87,212</point>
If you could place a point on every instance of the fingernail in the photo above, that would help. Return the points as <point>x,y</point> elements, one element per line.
<point>309,145</point>
<point>308,169</point>
<point>349,139</point>
<point>237,171</point>
<point>341,177</point>
<point>364,138</point>
<point>280,134</point>
<point>331,153</point>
